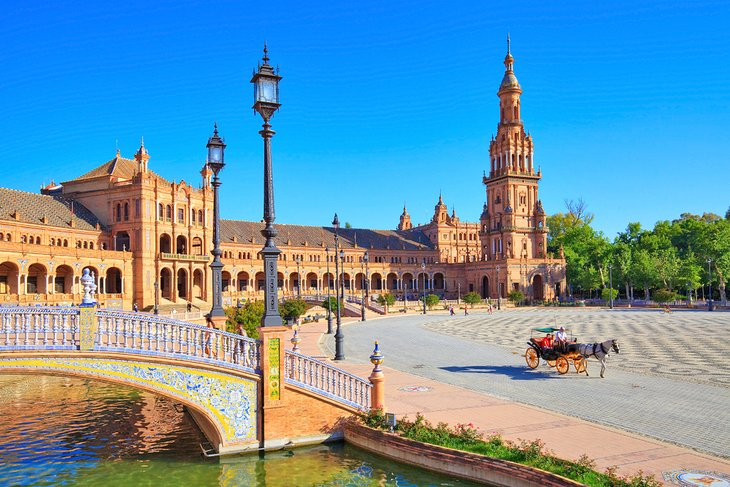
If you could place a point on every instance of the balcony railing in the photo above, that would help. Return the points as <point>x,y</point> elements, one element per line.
<point>188,257</point>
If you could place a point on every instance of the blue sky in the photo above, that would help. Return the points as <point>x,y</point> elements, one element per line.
<point>383,102</point>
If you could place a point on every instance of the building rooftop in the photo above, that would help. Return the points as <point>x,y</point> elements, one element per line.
<point>54,211</point>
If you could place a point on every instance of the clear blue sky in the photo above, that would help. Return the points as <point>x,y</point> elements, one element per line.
<point>383,102</point>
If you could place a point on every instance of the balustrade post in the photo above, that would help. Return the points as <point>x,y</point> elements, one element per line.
<point>377,393</point>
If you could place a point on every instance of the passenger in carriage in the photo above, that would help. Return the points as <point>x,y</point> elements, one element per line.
<point>561,339</point>
<point>547,342</point>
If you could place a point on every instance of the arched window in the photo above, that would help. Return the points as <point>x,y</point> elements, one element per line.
<point>91,245</point>
<point>168,213</point>
<point>160,212</point>
<point>65,242</point>
<point>200,217</point>
<point>119,212</point>
<point>126,212</point>
<point>516,113</point>
<point>192,216</point>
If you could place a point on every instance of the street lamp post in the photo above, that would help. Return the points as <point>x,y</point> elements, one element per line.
<point>689,296</point>
<point>710,307</point>
<point>329,285</point>
<point>157,297</point>
<point>299,279</point>
<point>338,284</point>
<point>266,102</point>
<point>367,275</point>
<point>216,148</point>
<point>610,281</point>
<point>339,337</point>
<point>423,270</point>
<point>362,288</point>
<point>499,291</point>
<point>458,294</point>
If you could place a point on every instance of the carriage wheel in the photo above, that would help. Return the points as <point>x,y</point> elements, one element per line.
<point>580,364</point>
<point>531,358</point>
<point>562,365</point>
<point>551,363</point>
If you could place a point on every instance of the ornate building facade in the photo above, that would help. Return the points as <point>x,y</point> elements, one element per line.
<point>149,240</point>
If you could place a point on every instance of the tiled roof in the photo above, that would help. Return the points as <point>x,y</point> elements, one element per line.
<point>297,235</point>
<point>32,208</point>
<point>119,167</point>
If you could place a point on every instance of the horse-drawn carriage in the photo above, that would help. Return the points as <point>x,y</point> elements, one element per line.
<point>562,355</point>
<point>556,355</point>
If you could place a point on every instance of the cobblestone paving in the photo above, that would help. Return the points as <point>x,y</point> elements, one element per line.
<point>690,346</point>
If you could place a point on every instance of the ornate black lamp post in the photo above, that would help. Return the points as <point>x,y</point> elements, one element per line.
<point>329,285</point>
<point>710,307</point>
<point>339,354</point>
<point>157,297</point>
<point>339,337</point>
<point>362,287</point>
<point>610,280</point>
<point>423,269</point>
<point>299,279</point>
<point>266,102</point>
<point>216,147</point>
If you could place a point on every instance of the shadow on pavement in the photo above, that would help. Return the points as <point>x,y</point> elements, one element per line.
<point>512,371</point>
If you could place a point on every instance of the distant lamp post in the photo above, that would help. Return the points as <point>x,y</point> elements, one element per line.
<point>367,275</point>
<point>299,279</point>
<point>329,285</point>
<point>362,286</point>
<point>157,297</point>
<point>266,102</point>
<point>423,270</point>
<point>689,296</point>
<point>458,293</point>
<point>216,148</point>
<point>610,281</point>
<point>710,307</point>
<point>499,291</point>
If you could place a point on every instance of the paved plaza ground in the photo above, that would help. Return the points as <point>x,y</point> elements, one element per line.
<point>670,382</point>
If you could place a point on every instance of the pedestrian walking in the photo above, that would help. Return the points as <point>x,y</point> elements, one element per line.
<point>135,307</point>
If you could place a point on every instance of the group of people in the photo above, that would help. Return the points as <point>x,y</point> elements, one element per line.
<point>558,341</point>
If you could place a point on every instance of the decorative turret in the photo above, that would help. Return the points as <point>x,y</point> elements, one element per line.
<point>485,214</point>
<point>207,173</point>
<point>141,156</point>
<point>405,220</point>
<point>441,212</point>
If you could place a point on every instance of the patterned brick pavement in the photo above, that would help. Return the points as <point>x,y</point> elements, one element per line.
<point>690,346</point>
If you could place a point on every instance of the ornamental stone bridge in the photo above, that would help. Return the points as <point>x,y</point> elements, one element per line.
<point>244,394</point>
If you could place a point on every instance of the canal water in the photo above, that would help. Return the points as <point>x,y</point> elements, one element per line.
<point>77,432</point>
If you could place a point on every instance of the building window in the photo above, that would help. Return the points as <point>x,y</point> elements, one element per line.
<point>126,212</point>
<point>160,212</point>
<point>168,213</point>
<point>137,208</point>
<point>119,212</point>
<point>181,215</point>
<point>192,216</point>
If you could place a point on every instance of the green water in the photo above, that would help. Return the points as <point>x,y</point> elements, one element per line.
<point>64,431</point>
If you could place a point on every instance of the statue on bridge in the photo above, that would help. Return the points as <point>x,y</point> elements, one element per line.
<point>89,286</point>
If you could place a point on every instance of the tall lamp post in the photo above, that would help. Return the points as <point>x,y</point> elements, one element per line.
<point>157,297</point>
<point>216,148</point>
<point>299,279</point>
<point>689,296</point>
<point>339,354</point>
<point>339,337</point>
<point>610,281</point>
<point>329,285</point>
<point>423,270</point>
<point>266,102</point>
<point>710,307</point>
<point>499,291</point>
<point>367,275</point>
<point>362,286</point>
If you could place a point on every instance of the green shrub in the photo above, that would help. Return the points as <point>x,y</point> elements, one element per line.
<point>663,296</point>
<point>516,296</point>
<point>472,298</point>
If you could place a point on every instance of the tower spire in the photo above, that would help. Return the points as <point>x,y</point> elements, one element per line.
<point>508,51</point>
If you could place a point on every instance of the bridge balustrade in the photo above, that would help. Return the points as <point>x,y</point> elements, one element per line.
<point>326,380</point>
<point>33,328</point>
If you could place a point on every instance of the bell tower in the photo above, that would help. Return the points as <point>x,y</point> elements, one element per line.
<point>405,220</point>
<point>514,225</point>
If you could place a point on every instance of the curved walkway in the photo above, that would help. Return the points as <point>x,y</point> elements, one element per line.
<point>484,379</point>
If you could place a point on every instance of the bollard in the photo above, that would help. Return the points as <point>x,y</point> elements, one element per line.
<point>377,393</point>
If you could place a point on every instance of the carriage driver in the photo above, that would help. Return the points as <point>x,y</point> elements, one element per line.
<point>561,339</point>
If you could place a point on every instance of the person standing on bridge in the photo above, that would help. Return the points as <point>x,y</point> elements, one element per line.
<point>209,336</point>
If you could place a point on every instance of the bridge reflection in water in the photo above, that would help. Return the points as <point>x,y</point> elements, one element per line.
<point>227,381</point>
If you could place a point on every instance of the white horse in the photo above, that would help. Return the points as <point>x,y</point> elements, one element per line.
<point>598,350</point>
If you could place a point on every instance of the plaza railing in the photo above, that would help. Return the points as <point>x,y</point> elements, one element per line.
<point>52,328</point>
<point>326,380</point>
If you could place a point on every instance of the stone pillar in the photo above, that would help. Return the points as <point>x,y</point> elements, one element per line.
<point>377,393</point>
<point>272,376</point>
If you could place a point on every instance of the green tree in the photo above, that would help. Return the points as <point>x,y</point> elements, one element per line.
<point>432,300</point>
<point>249,314</point>
<point>347,225</point>
<point>472,298</point>
<point>607,292</point>
<point>664,296</point>
<point>386,300</point>
<point>516,296</point>
<point>292,309</point>
<point>331,305</point>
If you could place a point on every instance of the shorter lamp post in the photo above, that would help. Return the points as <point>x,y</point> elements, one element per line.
<point>610,281</point>
<point>157,298</point>
<point>362,287</point>
<point>458,294</point>
<point>339,337</point>
<point>689,296</point>
<point>329,285</point>
<point>299,279</point>
<point>423,270</point>
<point>499,291</point>
<point>710,307</point>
